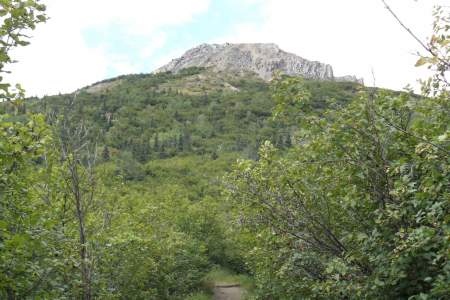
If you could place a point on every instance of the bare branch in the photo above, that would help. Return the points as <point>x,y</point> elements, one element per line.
<point>428,49</point>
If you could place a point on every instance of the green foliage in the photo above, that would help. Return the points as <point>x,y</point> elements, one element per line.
<point>158,116</point>
<point>167,267</point>
<point>437,57</point>
<point>31,259</point>
<point>17,16</point>
<point>342,193</point>
<point>158,221</point>
<point>359,208</point>
<point>199,296</point>
<point>346,199</point>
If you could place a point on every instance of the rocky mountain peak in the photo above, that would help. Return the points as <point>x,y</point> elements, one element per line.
<point>261,58</point>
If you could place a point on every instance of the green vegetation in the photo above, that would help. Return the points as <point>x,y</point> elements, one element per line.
<point>200,296</point>
<point>153,214</point>
<point>359,208</point>
<point>129,188</point>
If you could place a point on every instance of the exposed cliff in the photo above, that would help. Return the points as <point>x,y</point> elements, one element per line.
<point>262,59</point>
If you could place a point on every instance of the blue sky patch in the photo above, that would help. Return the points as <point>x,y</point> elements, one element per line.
<point>121,44</point>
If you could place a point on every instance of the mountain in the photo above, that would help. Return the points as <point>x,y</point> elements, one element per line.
<point>195,111</point>
<point>260,58</point>
<point>215,100</point>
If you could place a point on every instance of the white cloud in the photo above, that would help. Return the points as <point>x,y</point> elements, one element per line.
<point>352,35</point>
<point>139,16</point>
<point>156,42</point>
<point>59,58</point>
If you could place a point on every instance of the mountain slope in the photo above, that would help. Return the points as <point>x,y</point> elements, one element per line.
<point>196,111</point>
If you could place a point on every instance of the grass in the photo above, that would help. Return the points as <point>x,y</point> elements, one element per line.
<point>220,275</point>
<point>223,276</point>
<point>200,296</point>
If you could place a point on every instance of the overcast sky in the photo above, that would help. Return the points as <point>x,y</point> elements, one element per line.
<point>89,40</point>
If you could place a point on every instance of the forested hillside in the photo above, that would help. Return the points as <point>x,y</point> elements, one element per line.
<point>156,116</point>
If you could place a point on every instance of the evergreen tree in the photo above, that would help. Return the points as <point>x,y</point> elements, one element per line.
<point>105,153</point>
<point>180,143</point>
<point>288,140</point>
<point>156,142</point>
<point>214,155</point>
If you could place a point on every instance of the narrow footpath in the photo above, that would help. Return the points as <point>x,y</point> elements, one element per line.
<point>227,292</point>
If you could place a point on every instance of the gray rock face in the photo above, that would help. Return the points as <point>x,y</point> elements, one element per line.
<point>262,59</point>
<point>351,78</point>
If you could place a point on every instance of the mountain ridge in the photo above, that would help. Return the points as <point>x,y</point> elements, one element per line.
<point>264,59</point>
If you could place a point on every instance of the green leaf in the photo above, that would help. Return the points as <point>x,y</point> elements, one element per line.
<point>421,61</point>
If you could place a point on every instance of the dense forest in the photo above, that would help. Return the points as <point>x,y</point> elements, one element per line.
<point>154,186</point>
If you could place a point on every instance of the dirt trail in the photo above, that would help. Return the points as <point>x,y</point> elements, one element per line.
<point>227,292</point>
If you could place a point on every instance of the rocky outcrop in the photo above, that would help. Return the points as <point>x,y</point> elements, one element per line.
<point>351,78</point>
<point>262,59</point>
